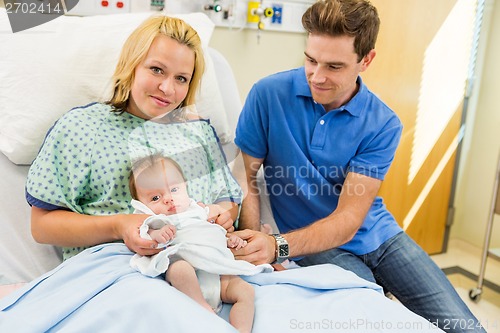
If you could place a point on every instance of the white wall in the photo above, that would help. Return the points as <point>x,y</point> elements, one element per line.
<point>252,59</point>
<point>482,143</point>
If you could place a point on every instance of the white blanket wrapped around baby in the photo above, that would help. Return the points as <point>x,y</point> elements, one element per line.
<point>197,241</point>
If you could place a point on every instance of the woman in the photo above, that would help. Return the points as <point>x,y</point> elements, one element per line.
<point>78,189</point>
<point>158,73</point>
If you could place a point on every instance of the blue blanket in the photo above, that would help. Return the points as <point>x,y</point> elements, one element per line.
<point>98,291</point>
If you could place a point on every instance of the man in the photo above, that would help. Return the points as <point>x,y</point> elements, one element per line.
<point>326,142</point>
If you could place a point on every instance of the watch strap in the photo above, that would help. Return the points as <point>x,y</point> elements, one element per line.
<point>282,250</point>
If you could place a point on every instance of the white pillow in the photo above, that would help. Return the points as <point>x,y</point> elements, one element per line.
<point>49,69</point>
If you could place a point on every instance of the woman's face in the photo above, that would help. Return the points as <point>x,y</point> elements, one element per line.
<point>162,80</point>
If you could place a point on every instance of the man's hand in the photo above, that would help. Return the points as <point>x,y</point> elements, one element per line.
<point>261,248</point>
<point>220,215</point>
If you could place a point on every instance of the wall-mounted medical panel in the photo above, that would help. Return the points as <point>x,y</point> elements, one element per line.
<point>248,14</point>
<point>233,14</point>
<point>262,15</point>
<point>102,7</point>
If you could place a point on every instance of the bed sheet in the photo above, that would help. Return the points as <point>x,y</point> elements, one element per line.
<point>98,291</point>
<point>21,257</point>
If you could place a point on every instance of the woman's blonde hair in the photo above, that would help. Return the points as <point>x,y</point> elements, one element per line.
<point>136,47</point>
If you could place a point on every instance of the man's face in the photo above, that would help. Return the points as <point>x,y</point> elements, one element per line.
<point>332,68</point>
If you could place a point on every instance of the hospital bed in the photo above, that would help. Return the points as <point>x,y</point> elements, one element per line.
<point>67,62</point>
<point>492,253</point>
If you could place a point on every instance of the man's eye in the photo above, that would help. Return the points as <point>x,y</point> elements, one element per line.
<point>155,198</point>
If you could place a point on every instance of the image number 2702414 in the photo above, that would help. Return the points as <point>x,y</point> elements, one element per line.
<point>38,7</point>
<point>27,14</point>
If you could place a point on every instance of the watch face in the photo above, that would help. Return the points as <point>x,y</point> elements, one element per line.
<point>283,250</point>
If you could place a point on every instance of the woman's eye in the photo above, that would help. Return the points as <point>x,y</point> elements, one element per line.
<point>155,198</point>
<point>182,79</point>
<point>156,70</point>
<point>174,189</point>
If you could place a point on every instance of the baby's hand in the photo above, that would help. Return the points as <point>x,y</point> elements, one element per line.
<point>163,235</point>
<point>235,242</point>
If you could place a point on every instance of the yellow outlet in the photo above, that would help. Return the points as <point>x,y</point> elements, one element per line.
<point>252,8</point>
<point>268,12</point>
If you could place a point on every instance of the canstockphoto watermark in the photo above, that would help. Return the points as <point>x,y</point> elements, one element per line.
<point>312,190</point>
<point>26,14</point>
<point>306,171</point>
<point>357,324</point>
<point>309,182</point>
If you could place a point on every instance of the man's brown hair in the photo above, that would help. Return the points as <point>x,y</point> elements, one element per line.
<point>355,18</point>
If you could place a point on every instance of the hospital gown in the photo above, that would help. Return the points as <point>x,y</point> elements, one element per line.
<point>85,161</point>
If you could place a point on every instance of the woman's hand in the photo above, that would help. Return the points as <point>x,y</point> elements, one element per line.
<point>65,228</point>
<point>128,228</point>
<point>220,215</point>
<point>260,248</point>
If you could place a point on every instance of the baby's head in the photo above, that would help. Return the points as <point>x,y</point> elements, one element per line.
<point>159,183</point>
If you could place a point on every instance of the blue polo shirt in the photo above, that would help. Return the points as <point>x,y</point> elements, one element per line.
<point>308,152</point>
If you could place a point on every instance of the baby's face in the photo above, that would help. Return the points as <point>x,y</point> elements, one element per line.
<point>163,189</point>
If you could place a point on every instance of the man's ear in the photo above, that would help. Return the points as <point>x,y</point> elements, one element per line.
<point>367,59</point>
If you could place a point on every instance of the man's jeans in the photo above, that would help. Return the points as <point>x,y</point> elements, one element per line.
<point>401,267</point>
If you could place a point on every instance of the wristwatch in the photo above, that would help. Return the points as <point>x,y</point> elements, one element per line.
<point>282,250</point>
